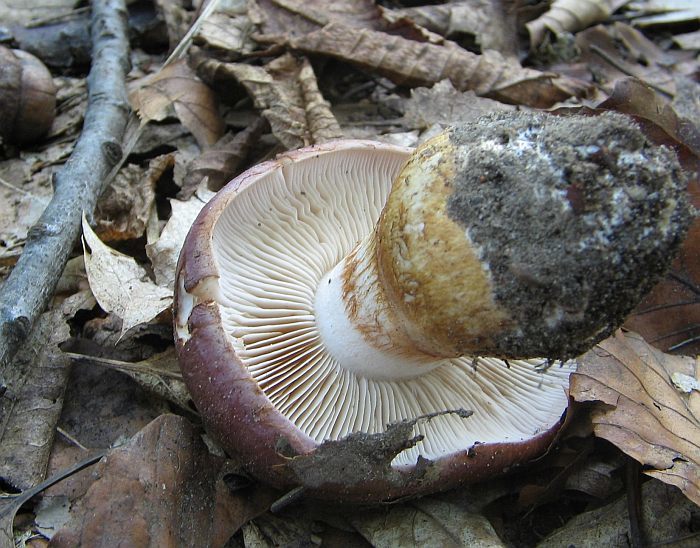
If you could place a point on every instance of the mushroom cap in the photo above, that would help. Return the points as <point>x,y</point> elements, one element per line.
<point>257,371</point>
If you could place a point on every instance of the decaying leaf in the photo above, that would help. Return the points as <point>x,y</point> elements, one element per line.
<point>159,374</point>
<point>667,520</point>
<point>177,19</point>
<point>228,29</point>
<point>427,522</point>
<point>123,210</point>
<point>570,16</point>
<point>665,12</point>
<point>443,104</point>
<point>298,17</point>
<point>221,162</point>
<point>413,63</point>
<point>176,88</point>
<point>485,20</point>
<point>120,285</point>
<point>619,51</point>
<point>163,488</point>
<point>31,408</point>
<point>639,409</point>
<point>165,251</point>
<point>286,92</point>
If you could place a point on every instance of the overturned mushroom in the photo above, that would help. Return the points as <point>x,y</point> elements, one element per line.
<point>316,302</point>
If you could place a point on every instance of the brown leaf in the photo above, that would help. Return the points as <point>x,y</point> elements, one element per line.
<point>30,409</point>
<point>620,51</point>
<point>286,92</point>
<point>570,16</point>
<point>443,104</point>
<point>640,410</point>
<point>123,210</point>
<point>667,519</point>
<point>413,63</point>
<point>220,163</point>
<point>487,21</point>
<point>177,88</point>
<point>163,488</point>
<point>299,17</point>
<point>426,522</point>
<point>228,29</point>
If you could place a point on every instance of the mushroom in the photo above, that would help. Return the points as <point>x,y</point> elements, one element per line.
<point>345,287</point>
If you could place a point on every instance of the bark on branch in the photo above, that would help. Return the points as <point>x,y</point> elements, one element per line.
<point>26,292</point>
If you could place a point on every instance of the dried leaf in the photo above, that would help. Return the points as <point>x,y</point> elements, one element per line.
<point>221,162</point>
<point>666,12</point>
<point>413,63</point>
<point>159,374</point>
<point>31,407</point>
<point>286,92</point>
<point>123,210</point>
<point>570,16</point>
<point>443,104</point>
<point>667,519</point>
<point>120,285</point>
<point>163,488</point>
<point>427,522</point>
<point>177,19</point>
<point>485,20</point>
<point>228,28</point>
<point>165,251</point>
<point>640,410</point>
<point>177,88</point>
<point>299,17</point>
<point>621,51</point>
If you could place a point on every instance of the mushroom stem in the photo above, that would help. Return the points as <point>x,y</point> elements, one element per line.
<point>526,236</point>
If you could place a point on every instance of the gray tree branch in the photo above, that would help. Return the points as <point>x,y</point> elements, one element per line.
<point>77,186</point>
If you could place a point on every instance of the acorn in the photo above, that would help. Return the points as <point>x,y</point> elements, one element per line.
<point>27,97</point>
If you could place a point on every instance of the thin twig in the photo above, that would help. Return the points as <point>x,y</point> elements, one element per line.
<point>26,292</point>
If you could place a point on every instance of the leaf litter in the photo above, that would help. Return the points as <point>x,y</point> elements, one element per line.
<point>297,66</point>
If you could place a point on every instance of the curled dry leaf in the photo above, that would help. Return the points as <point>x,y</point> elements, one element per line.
<point>491,26</point>
<point>120,285</point>
<point>413,63</point>
<point>176,88</point>
<point>639,409</point>
<point>286,92</point>
<point>570,16</point>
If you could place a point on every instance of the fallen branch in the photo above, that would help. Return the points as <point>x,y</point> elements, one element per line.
<point>26,292</point>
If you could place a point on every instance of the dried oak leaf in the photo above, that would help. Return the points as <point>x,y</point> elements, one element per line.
<point>639,409</point>
<point>412,63</point>
<point>286,92</point>
<point>163,488</point>
<point>176,88</point>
